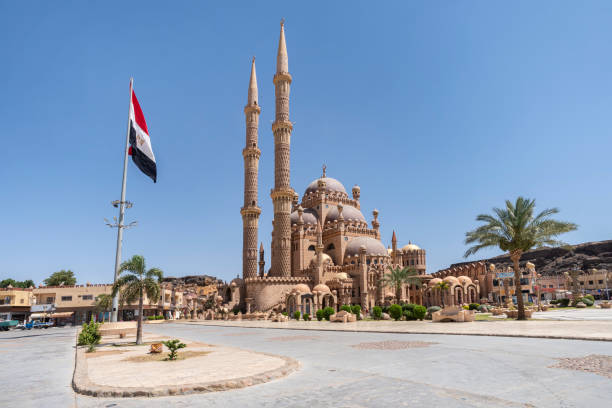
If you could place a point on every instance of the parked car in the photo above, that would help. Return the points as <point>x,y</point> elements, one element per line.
<point>37,324</point>
<point>6,325</point>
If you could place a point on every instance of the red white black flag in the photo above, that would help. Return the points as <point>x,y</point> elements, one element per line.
<point>140,142</point>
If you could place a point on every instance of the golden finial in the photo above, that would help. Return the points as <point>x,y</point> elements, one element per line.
<point>324,170</point>
<point>282,21</point>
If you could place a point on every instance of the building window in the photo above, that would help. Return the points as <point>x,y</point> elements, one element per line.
<point>550,286</point>
<point>21,301</point>
<point>600,282</point>
<point>330,247</point>
<point>590,282</point>
<point>66,298</point>
<point>311,248</point>
<point>87,297</point>
<point>49,300</point>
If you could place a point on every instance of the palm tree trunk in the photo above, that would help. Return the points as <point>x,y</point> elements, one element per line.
<point>139,329</point>
<point>515,256</point>
<point>398,293</point>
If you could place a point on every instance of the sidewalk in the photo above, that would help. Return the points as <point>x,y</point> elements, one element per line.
<point>549,329</point>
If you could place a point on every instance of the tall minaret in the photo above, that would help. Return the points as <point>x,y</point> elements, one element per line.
<point>250,211</point>
<point>282,194</point>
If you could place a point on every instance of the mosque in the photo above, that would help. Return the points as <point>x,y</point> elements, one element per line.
<point>324,252</point>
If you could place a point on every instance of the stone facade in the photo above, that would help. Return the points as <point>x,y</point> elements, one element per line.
<point>324,252</point>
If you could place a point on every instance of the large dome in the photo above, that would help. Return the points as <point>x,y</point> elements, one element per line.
<point>373,246</point>
<point>348,213</point>
<point>310,217</point>
<point>331,184</point>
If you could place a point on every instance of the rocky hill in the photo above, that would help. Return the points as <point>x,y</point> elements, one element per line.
<point>199,280</point>
<point>550,261</point>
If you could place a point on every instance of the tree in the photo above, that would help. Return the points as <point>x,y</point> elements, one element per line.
<point>135,281</point>
<point>16,284</point>
<point>61,278</point>
<point>398,277</point>
<point>515,230</point>
<point>441,287</point>
<point>104,303</point>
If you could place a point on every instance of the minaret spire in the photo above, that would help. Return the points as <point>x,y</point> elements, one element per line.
<point>282,60</point>
<point>282,194</point>
<point>251,153</point>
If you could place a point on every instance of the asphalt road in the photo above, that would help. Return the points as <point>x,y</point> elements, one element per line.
<point>454,371</point>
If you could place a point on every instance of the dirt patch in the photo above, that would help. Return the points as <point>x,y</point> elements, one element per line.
<point>101,353</point>
<point>392,345</point>
<point>293,338</point>
<point>594,363</point>
<point>198,344</point>
<point>164,356</point>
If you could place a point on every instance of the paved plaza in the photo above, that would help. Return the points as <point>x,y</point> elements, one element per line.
<point>338,369</point>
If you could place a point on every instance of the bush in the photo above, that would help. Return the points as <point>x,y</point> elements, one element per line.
<point>408,306</point>
<point>564,302</point>
<point>395,311</point>
<point>306,316</point>
<point>328,311</point>
<point>159,317</point>
<point>236,309</point>
<point>419,312</point>
<point>431,310</point>
<point>465,307</point>
<point>590,297</point>
<point>408,315</point>
<point>587,301</point>
<point>473,306</point>
<point>385,309</point>
<point>377,312</point>
<point>346,308</point>
<point>285,314</point>
<point>483,308</point>
<point>173,346</point>
<point>320,314</point>
<point>296,315</point>
<point>356,310</point>
<point>554,302</point>
<point>90,335</point>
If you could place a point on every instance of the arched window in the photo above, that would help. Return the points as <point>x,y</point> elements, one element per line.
<point>331,246</point>
<point>311,248</point>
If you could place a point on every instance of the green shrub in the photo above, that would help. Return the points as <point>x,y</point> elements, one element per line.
<point>590,297</point>
<point>408,306</point>
<point>465,307</point>
<point>385,309</point>
<point>151,317</point>
<point>554,302</point>
<point>306,316</point>
<point>236,309</point>
<point>356,309</point>
<point>419,312</point>
<point>483,308</point>
<point>587,301</point>
<point>90,335</point>
<point>296,315</point>
<point>285,314</point>
<point>346,308</point>
<point>473,306</point>
<point>173,346</point>
<point>320,314</point>
<point>395,311</point>
<point>408,314</point>
<point>160,317</point>
<point>328,311</point>
<point>564,302</point>
<point>377,312</point>
<point>431,310</point>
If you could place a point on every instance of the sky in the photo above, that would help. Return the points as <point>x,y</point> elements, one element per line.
<point>439,111</point>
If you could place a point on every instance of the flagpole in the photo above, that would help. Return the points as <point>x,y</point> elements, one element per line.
<point>122,203</point>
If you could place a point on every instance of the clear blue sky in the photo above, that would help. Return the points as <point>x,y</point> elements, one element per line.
<point>438,110</point>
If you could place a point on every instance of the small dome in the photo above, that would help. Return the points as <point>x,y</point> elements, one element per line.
<point>309,216</point>
<point>389,251</point>
<point>341,275</point>
<point>372,246</point>
<point>327,260</point>
<point>451,280</point>
<point>331,184</point>
<point>302,288</point>
<point>434,281</point>
<point>410,247</point>
<point>321,288</point>
<point>465,280</point>
<point>348,213</point>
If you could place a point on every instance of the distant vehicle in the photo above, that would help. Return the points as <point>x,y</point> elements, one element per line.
<point>37,324</point>
<point>6,325</point>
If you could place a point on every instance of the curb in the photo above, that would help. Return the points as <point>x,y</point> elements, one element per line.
<point>82,384</point>
<point>353,330</point>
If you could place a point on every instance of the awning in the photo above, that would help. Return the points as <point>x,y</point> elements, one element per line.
<point>38,315</point>
<point>62,314</point>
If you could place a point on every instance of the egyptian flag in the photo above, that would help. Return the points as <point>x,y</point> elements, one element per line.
<point>140,143</point>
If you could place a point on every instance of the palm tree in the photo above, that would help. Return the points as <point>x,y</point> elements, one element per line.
<point>135,281</point>
<point>515,230</point>
<point>104,303</point>
<point>441,287</point>
<point>400,276</point>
